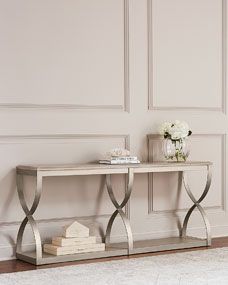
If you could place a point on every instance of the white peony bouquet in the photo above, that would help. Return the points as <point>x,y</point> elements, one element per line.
<point>175,131</point>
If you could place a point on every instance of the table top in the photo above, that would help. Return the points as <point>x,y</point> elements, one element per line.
<point>96,168</point>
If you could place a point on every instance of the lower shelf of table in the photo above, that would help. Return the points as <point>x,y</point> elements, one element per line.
<point>118,249</point>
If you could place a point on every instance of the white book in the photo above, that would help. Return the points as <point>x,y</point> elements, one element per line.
<point>122,158</point>
<point>61,241</point>
<point>119,162</point>
<point>58,250</point>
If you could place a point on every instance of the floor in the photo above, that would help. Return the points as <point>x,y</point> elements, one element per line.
<point>17,265</point>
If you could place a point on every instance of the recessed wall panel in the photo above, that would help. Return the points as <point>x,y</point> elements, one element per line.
<point>166,195</point>
<point>62,196</point>
<point>186,48</point>
<point>55,52</point>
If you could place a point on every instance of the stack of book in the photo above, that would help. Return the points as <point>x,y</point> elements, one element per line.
<point>75,239</point>
<point>120,160</point>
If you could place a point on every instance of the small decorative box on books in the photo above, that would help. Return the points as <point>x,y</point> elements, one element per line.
<point>119,156</point>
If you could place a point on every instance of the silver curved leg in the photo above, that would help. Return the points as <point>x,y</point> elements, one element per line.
<point>119,210</point>
<point>29,215</point>
<point>198,206</point>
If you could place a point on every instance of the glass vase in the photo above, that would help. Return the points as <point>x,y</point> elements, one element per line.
<point>176,150</point>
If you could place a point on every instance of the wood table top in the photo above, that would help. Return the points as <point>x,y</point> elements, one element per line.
<point>97,168</point>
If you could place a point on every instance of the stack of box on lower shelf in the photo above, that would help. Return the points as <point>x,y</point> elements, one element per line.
<point>75,239</point>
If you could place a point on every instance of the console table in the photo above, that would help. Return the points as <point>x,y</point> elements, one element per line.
<point>38,257</point>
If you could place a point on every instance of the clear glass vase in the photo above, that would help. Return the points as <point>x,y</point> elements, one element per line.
<point>176,150</point>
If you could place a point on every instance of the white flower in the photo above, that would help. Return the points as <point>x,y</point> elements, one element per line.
<point>176,131</point>
<point>165,128</point>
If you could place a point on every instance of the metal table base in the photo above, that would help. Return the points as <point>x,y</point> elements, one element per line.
<point>38,257</point>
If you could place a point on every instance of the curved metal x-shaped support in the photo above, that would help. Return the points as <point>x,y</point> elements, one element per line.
<point>119,210</point>
<point>29,215</point>
<point>198,206</point>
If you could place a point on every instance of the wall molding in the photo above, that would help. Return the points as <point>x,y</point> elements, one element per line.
<point>26,106</point>
<point>151,105</point>
<point>23,139</point>
<point>126,105</point>
<point>69,136</point>
<point>224,56</point>
<point>218,208</point>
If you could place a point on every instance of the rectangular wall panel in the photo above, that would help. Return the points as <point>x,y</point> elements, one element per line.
<point>165,193</point>
<point>69,54</point>
<point>186,54</point>
<point>62,196</point>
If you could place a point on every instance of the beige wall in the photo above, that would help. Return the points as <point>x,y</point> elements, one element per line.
<point>78,78</point>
